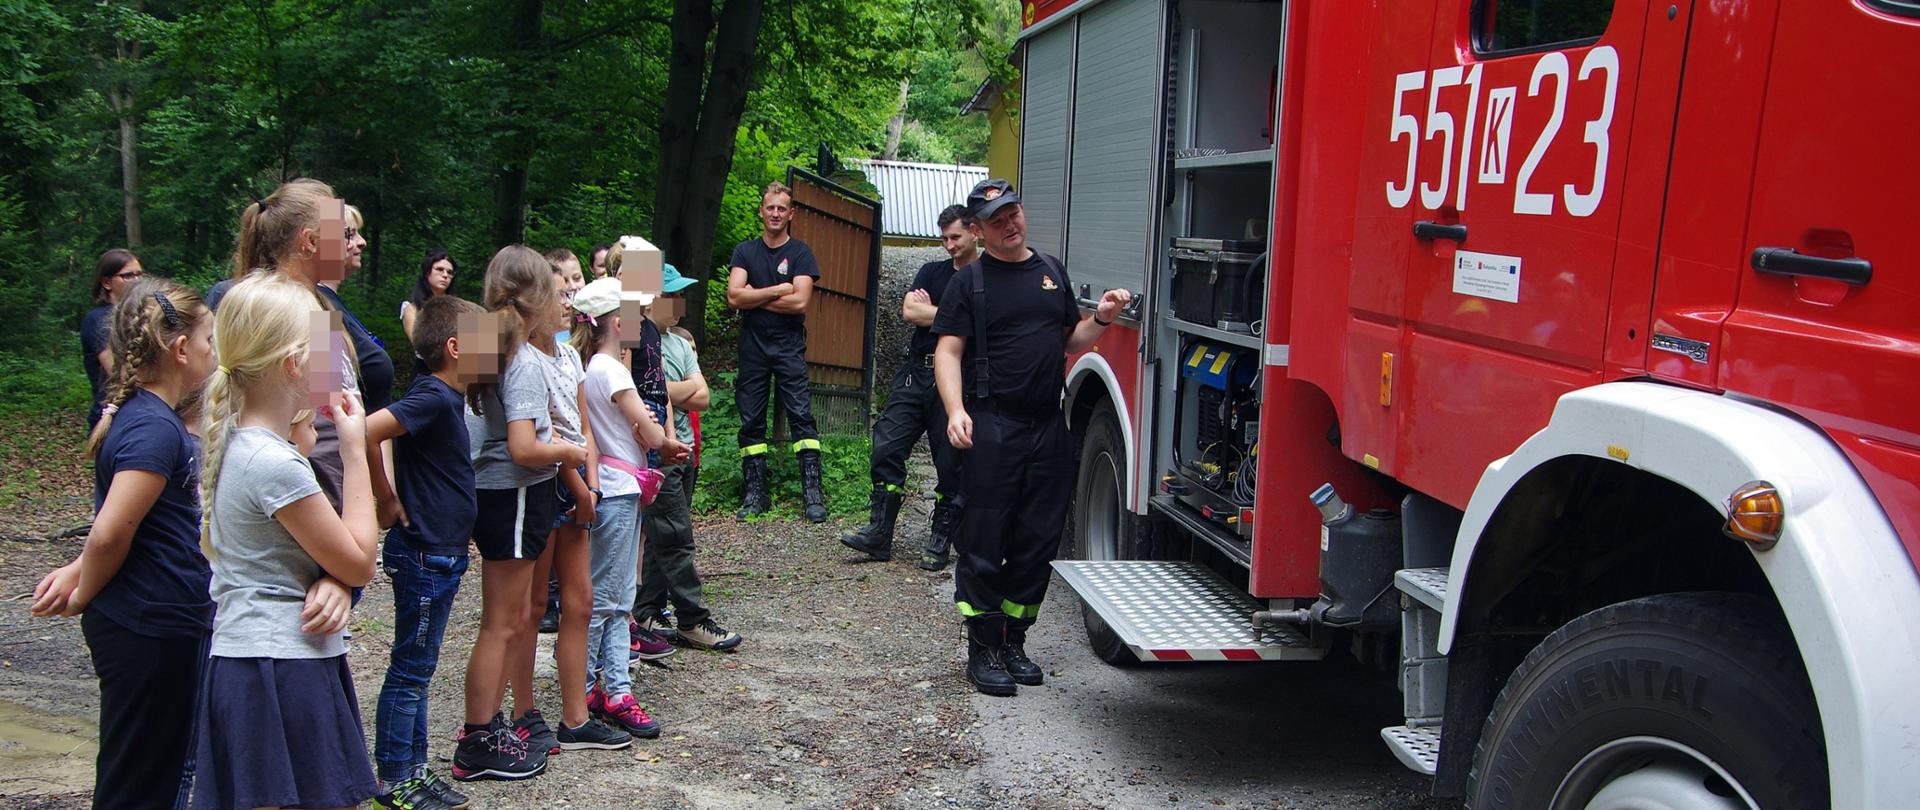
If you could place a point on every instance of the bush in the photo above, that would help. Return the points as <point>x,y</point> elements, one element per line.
<point>45,382</point>
<point>844,461</point>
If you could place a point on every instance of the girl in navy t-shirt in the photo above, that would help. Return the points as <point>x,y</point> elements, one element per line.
<point>140,585</point>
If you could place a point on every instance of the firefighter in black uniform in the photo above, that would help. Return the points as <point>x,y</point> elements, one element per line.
<point>1005,326</point>
<point>913,407</point>
<point>770,282</point>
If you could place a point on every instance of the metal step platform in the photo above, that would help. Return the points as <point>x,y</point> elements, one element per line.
<point>1429,585</point>
<point>1181,611</point>
<point>1417,748</point>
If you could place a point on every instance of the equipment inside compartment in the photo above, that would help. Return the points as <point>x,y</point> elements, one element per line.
<point>1217,429</point>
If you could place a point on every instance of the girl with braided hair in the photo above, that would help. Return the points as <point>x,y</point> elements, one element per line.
<point>286,730</point>
<point>140,585</point>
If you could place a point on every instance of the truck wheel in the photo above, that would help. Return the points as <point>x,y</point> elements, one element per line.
<point>1101,525</point>
<point>1692,700</point>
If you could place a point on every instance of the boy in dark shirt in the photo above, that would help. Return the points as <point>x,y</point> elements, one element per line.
<point>432,517</point>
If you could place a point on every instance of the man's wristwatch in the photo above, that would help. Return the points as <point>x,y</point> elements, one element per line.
<point>598,496</point>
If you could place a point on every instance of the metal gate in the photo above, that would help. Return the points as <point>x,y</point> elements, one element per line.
<point>843,229</point>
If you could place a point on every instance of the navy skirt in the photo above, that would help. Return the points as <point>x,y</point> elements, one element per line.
<point>280,733</point>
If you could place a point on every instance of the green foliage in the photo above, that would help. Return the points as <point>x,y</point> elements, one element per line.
<point>844,463</point>
<point>43,383</point>
<point>411,109</point>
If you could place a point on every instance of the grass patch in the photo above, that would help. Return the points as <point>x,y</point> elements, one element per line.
<point>844,464</point>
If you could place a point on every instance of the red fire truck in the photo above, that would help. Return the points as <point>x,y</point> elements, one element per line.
<point>1560,353</point>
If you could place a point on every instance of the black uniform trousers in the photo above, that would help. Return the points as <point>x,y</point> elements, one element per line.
<point>769,359</point>
<point>913,408</point>
<point>667,572</point>
<point>1017,485</point>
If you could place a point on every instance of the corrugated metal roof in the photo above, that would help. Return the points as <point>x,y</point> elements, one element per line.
<point>913,194</point>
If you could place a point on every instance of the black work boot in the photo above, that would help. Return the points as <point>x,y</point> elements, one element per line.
<point>876,538</point>
<point>753,471</point>
<point>1014,654</point>
<point>986,636</point>
<point>810,492</point>
<point>940,539</point>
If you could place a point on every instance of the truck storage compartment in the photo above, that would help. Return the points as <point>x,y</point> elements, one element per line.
<point>1216,282</point>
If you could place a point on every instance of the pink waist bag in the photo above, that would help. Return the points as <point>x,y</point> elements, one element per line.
<point>648,478</point>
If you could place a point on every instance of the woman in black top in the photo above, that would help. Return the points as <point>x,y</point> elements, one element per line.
<point>113,274</point>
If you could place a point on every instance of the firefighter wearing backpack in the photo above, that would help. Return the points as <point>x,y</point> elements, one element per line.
<point>1006,325</point>
<point>770,281</point>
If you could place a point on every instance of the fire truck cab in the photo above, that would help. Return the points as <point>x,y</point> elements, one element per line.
<point>1560,354</point>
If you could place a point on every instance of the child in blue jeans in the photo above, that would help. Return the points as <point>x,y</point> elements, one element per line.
<point>426,549</point>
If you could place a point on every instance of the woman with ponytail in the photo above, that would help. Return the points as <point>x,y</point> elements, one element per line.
<point>286,729</point>
<point>140,585</point>
<point>305,233</point>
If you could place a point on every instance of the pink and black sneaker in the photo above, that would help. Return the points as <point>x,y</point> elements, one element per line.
<point>625,712</point>
<point>496,753</point>
<point>646,646</point>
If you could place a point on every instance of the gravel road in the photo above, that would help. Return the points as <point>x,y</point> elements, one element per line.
<point>846,694</point>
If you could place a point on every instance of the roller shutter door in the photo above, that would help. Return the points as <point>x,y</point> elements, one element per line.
<point>1046,117</point>
<point>1112,163</point>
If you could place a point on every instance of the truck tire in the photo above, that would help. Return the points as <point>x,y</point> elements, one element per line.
<point>1690,700</point>
<point>1100,527</point>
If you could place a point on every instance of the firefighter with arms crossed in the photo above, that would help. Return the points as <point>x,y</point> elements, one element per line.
<point>770,281</point>
<point>1005,326</point>
<point>914,407</point>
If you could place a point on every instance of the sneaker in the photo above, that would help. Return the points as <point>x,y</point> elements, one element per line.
<point>443,790</point>
<point>550,622</point>
<point>593,734</point>
<point>533,728</point>
<point>709,635</point>
<point>409,794</point>
<point>661,626</point>
<point>647,646</point>
<point>626,713</point>
<point>496,753</point>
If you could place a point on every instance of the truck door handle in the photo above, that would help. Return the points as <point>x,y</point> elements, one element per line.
<point>1427,229</point>
<point>1785,262</point>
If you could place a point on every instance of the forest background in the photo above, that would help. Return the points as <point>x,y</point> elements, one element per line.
<point>461,125</point>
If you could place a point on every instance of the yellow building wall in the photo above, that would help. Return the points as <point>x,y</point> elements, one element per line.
<point>1003,143</point>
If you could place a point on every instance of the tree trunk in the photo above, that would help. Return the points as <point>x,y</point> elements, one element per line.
<point>122,103</point>
<point>120,98</point>
<point>525,34</point>
<point>897,124</point>
<point>679,126</point>
<point>697,133</point>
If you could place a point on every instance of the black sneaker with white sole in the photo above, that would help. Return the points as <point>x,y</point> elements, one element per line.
<point>498,752</point>
<point>592,734</point>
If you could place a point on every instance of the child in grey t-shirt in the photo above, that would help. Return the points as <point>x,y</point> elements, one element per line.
<point>283,728</point>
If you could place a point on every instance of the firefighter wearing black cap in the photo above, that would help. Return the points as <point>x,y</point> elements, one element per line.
<point>770,282</point>
<point>1006,325</point>
<point>913,407</point>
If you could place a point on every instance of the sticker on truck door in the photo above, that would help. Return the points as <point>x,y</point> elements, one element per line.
<point>1487,275</point>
